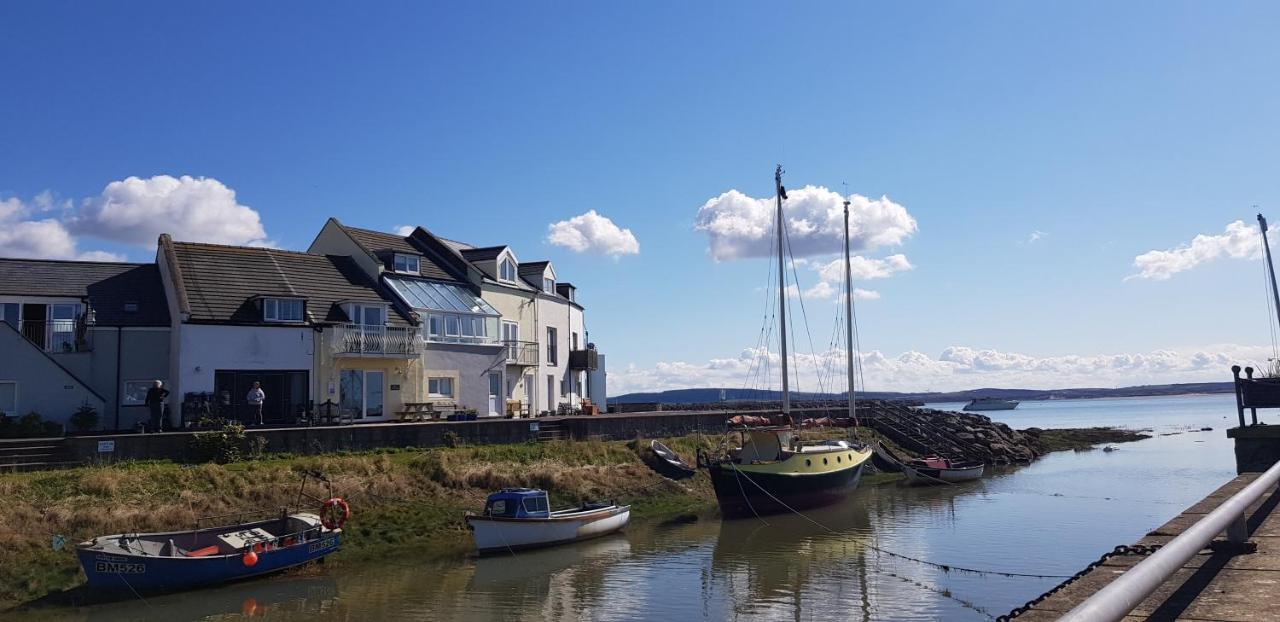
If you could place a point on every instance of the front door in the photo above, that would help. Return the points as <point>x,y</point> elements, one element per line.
<point>361,393</point>
<point>495,394</point>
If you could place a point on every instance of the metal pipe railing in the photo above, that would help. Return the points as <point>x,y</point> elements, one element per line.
<point>1121,596</point>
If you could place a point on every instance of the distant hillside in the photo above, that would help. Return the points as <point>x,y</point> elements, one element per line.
<point>711,396</point>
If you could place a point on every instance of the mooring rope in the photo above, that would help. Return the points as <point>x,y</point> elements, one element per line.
<point>943,567</point>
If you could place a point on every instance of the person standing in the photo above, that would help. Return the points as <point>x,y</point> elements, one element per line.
<point>255,398</point>
<point>155,402</point>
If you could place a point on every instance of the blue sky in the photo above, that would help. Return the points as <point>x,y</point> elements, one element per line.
<point>1113,130</point>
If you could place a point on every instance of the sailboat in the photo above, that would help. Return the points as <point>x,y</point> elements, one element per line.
<point>773,472</point>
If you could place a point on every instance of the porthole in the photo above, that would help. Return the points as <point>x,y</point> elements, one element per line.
<point>837,459</point>
<point>850,457</point>
<point>824,461</point>
<point>808,462</point>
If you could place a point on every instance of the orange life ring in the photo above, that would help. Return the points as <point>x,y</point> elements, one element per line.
<point>334,513</point>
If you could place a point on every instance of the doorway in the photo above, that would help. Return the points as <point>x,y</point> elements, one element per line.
<point>495,394</point>
<point>286,391</point>
<point>361,393</point>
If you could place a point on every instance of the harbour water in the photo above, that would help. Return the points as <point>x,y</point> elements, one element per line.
<point>1050,518</point>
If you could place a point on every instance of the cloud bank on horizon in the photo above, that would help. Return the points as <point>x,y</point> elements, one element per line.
<point>130,212</point>
<point>955,368</point>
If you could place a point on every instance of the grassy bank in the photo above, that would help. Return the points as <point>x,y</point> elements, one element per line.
<point>405,498</point>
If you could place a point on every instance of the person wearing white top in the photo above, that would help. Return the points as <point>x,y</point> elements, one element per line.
<point>255,398</point>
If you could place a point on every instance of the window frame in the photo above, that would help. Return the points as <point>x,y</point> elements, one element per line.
<point>274,301</point>
<point>437,380</point>
<point>553,351</point>
<point>548,285</point>
<point>16,398</point>
<point>456,321</point>
<point>395,263</point>
<point>505,265</point>
<point>124,391</point>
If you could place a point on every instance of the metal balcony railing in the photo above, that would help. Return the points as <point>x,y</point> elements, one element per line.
<point>521,352</point>
<point>58,335</point>
<point>358,339</point>
<point>584,359</point>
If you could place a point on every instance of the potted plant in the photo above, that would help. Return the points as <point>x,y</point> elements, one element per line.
<point>85,418</point>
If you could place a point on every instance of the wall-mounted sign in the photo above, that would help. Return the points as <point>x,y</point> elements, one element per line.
<point>533,426</point>
<point>395,387</point>
<point>106,447</point>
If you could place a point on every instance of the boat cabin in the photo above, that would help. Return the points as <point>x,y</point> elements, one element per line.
<point>518,503</point>
<point>764,445</point>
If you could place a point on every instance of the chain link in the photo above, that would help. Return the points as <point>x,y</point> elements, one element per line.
<point>1122,550</point>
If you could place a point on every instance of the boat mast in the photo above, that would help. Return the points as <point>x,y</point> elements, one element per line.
<point>782,294</point>
<point>848,315</point>
<point>1271,267</point>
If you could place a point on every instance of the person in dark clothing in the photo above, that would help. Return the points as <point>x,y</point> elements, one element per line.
<point>155,401</point>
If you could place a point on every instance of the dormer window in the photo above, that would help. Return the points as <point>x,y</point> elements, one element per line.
<point>282,309</point>
<point>549,285</point>
<point>507,270</point>
<point>407,264</point>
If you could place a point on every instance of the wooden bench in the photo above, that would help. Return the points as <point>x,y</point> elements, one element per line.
<point>425,411</point>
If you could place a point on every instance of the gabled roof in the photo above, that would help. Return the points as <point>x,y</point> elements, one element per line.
<point>106,285</point>
<point>223,284</point>
<point>385,245</point>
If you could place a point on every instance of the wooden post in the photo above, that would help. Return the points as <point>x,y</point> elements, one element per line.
<point>1235,371</point>
<point>1248,371</point>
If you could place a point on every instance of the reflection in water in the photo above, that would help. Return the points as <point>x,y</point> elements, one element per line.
<point>1052,517</point>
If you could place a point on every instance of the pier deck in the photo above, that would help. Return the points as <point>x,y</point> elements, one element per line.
<point>1212,586</point>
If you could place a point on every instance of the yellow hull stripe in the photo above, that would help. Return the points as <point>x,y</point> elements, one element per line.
<point>812,463</point>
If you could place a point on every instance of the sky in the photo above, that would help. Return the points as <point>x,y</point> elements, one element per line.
<point>1044,194</point>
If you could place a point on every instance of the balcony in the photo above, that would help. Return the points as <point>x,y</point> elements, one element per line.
<point>524,353</point>
<point>374,341</point>
<point>56,336</point>
<point>584,359</point>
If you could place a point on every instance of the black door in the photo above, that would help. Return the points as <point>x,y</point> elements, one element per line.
<point>286,391</point>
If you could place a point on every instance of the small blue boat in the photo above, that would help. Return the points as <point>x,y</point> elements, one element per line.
<point>177,560</point>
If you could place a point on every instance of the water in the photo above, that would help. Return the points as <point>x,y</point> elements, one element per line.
<point>1052,517</point>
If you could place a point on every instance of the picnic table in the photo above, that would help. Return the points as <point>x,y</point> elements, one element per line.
<point>424,411</point>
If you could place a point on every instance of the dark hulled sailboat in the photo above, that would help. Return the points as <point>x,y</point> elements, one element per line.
<point>771,472</point>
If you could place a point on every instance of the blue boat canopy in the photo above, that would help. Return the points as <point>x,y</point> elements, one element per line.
<point>518,503</point>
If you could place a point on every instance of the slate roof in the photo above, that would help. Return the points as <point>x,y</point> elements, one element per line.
<point>224,284</point>
<point>386,245</point>
<point>488,253</point>
<point>107,285</point>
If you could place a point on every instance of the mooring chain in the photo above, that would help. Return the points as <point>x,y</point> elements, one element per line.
<point>1119,551</point>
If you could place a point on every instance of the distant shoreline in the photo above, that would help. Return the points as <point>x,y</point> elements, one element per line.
<point>714,395</point>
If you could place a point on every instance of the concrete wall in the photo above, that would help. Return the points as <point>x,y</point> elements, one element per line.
<point>520,307</point>
<point>42,386</point>
<point>1257,447</point>
<point>405,373</point>
<point>566,319</point>
<point>142,354</point>
<point>202,349</point>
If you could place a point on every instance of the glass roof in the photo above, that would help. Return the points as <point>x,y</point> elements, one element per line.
<point>434,296</point>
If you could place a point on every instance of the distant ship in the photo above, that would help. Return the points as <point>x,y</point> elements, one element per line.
<point>991,403</point>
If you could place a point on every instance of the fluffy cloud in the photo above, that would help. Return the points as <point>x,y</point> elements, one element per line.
<point>1238,241</point>
<point>25,231</point>
<point>1035,236</point>
<point>824,290</point>
<point>404,230</point>
<point>955,368</point>
<point>739,226</point>
<point>135,211</point>
<point>132,211</point>
<point>864,269</point>
<point>591,232</point>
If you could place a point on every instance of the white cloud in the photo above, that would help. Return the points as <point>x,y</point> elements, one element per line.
<point>132,211</point>
<point>1035,236</point>
<point>591,232</point>
<point>955,368</point>
<point>863,268</point>
<point>824,290</point>
<point>136,211</point>
<point>739,226</point>
<point>404,230</point>
<point>24,234</point>
<point>1238,241</point>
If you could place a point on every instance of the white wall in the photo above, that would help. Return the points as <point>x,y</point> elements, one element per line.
<point>203,349</point>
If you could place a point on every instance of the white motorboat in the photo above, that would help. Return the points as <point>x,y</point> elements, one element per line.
<point>991,403</point>
<point>520,518</point>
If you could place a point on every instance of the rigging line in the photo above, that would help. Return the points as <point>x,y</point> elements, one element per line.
<point>943,567</point>
<point>800,296</point>
<point>1267,268</point>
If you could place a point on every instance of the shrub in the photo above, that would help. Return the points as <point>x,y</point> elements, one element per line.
<point>30,425</point>
<point>230,444</point>
<point>85,418</point>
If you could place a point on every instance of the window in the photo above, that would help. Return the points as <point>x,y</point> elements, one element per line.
<point>511,335</point>
<point>468,327</point>
<point>62,326</point>
<point>440,387</point>
<point>575,341</point>
<point>564,388</point>
<point>507,270</point>
<point>551,345</point>
<point>368,315</point>
<point>135,392</point>
<point>535,505</point>
<point>548,285</point>
<point>451,325</point>
<point>282,309</point>
<point>9,399</point>
<point>435,326</point>
<point>408,264</point>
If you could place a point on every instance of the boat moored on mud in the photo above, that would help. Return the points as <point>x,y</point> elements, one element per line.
<point>520,518</point>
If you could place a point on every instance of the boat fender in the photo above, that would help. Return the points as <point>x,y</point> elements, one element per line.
<point>334,513</point>
<point>250,559</point>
